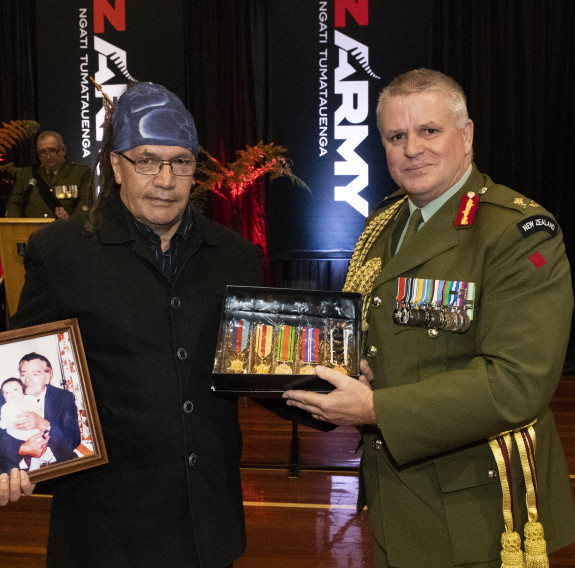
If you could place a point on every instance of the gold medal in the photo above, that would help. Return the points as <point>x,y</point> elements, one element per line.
<point>307,370</point>
<point>283,369</point>
<point>262,369</point>
<point>237,365</point>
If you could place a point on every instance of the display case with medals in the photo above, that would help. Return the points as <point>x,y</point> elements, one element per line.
<point>272,339</point>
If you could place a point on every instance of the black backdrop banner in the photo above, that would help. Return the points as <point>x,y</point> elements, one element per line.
<point>329,61</point>
<point>113,42</point>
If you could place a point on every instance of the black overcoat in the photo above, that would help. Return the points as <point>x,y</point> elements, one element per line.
<point>171,492</point>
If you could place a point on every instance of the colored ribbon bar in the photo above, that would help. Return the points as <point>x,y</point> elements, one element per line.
<point>286,339</point>
<point>264,339</point>
<point>310,344</point>
<point>240,334</point>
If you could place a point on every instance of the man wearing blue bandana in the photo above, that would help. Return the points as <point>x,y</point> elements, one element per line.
<point>145,276</point>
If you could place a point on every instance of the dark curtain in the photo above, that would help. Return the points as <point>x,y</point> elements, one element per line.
<point>227,65</point>
<point>18,100</point>
<point>17,90</point>
<point>515,61</point>
<point>514,58</point>
<point>220,82</point>
<point>17,61</point>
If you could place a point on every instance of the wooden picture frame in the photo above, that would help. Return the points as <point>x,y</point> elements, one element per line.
<point>37,365</point>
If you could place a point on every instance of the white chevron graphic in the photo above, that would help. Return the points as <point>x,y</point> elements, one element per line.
<point>358,50</point>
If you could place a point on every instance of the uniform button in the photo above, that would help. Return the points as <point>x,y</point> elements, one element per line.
<point>175,302</point>
<point>188,406</point>
<point>377,444</point>
<point>182,354</point>
<point>192,460</point>
<point>376,302</point>
<point>372,351</point>
<point>492,474</point>
<point>432,332</point>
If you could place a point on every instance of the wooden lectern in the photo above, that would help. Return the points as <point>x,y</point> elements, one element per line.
<point>14,234</point>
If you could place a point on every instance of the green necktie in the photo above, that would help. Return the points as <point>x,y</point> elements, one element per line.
<point>415,220</point>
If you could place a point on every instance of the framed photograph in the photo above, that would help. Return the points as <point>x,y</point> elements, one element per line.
<point>49,425</point>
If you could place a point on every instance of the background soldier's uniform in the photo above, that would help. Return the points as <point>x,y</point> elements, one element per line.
<point>27,202</point>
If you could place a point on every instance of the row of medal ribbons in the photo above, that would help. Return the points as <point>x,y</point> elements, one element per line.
<point>293,345</point>
<point>436,304</point>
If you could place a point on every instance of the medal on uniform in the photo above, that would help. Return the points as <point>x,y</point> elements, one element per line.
<point>309,350</point>
<point>434,304</point>
<point>66,191</point>
<point>239,338</point>
<point>285,349</point>
<point>264,335</point>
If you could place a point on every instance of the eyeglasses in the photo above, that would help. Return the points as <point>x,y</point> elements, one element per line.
<point>47,151</point>
<point>153,166</point>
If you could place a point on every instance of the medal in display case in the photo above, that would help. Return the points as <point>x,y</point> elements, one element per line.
<point>272,339</point>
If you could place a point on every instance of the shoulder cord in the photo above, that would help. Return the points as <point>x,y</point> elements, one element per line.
<point>360,276</point>
<point>535,546</point>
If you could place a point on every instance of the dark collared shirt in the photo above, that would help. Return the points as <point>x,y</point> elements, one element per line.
<point>167,261</point>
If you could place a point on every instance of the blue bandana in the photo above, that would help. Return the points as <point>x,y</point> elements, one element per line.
<point>150,114</point>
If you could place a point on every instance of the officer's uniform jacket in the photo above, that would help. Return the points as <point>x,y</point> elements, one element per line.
<point>428,476</point>
<point>73,180</point>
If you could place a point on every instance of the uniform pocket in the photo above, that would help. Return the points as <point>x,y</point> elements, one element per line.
<point>472,502</point>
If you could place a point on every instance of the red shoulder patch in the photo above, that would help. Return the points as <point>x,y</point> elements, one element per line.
<point>537,259</point>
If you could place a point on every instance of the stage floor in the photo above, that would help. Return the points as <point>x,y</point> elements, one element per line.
<point>306,521</point>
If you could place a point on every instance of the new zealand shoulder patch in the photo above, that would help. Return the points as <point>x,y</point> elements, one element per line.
<point>538,223</point>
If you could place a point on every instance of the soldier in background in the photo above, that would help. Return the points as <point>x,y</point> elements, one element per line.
<point>57,188</point>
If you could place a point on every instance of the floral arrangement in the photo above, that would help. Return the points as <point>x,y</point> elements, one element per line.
<point>11,133</point>
<point>251,164</point>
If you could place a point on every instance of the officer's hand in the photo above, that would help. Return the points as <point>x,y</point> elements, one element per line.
<point>12,487</point>
<point>366,376</point>
<point>350,403</point>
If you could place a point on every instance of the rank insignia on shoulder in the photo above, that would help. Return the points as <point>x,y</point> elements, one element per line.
<point>519,201</point>
<point>537,223</point>
<point>467,210</point>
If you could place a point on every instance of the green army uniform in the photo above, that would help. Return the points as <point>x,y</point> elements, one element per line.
<point>73,181</point>
<point>428,475</point>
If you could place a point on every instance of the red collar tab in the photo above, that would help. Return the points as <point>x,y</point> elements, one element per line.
<point>467,210</point>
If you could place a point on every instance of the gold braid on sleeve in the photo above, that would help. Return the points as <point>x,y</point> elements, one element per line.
<point>361,274</point>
